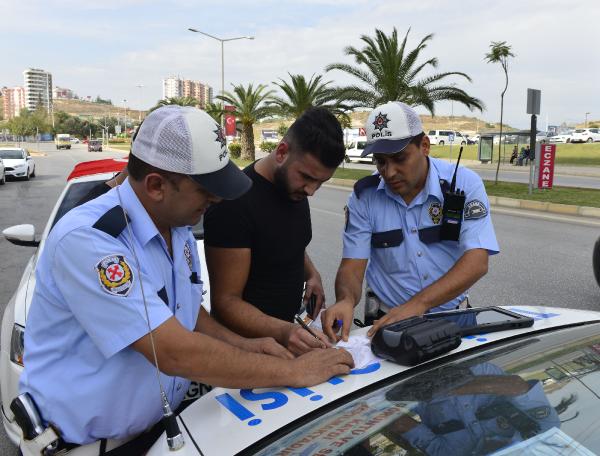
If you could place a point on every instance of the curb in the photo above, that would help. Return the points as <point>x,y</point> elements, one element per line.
<point>512,203</point>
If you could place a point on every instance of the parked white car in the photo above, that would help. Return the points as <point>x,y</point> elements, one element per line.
<point>446,137</point>
<point>586,135</point>
<point>355,149</point>
<point>17,162</point>
<point>84,177</point>
<point>561,138</point>
<point>2,173</point>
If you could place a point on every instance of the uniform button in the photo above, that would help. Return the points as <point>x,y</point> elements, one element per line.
<point>426,276</point>
<point>178,306</point>
<point>419,253</point>
<point>178,386</point>
<point>385,244</point>
<point>413,230</point>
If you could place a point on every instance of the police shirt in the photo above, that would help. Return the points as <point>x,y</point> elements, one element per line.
<point>470,433</point>
<point>402,241</point>
<point>87,309</point>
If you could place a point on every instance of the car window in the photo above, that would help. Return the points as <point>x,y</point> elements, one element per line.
<point>361,145</point>
<point>431,133</point>
<point>579,131</point>
<point>73,197</point>
<point>11,154</point>
<point>530,395</point>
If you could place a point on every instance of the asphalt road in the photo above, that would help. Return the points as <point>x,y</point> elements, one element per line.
<point>545,260</point>
<point>520,174</point>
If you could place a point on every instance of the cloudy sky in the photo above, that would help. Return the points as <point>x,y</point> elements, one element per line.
<point>108,47</point>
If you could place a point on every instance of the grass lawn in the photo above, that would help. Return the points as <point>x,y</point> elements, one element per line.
<point>566,154</point>
<point>120,146</point>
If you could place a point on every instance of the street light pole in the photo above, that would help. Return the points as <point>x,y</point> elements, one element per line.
<point>222,41</point>
<point>586,115</point>
<point>140,86</point>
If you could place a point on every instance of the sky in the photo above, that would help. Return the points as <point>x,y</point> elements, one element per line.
<point>110,47</point>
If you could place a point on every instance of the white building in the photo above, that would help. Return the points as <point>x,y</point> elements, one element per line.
<point>172,87</point>
<point>38,89</point>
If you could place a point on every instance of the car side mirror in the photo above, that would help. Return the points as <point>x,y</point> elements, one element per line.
<point>23,235</point>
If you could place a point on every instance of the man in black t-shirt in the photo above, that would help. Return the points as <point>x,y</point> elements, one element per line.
<point>256,245</point>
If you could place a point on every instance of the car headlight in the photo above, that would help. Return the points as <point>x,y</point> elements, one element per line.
<point>17,344</point>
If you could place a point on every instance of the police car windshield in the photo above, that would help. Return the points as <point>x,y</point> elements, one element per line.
<point>520,398</point>
<point>73,197</point>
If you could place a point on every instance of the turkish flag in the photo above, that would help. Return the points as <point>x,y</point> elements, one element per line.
<point>230,125</point>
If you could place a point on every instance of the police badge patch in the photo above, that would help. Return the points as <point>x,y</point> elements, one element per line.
<point>435,212</point>
<point>115,275</point>
<point>187,253</point>
<point>475,210</point>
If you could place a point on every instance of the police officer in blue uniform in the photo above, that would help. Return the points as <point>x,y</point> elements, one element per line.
<point>479,411</point>
<point>397,231</point>
<point>119,278</point>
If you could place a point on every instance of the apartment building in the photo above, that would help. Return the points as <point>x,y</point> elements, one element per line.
<point>177,87</point>
<point>38,89</point>
<point>14,101</point>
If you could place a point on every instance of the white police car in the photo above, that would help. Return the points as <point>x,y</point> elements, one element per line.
<point>82,179</point>
<point>524,391</point>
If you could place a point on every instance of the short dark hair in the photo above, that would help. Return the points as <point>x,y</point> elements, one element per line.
<point>318,133</point>
<point>139,169</point>
<point>416,140</point>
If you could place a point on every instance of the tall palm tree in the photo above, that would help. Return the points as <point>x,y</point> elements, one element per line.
<point>499,53</point>
<point>180,101</point>
<point>301,94</point>
<point>387,71</point>
<point>215,110</point>
<point>250,107</point>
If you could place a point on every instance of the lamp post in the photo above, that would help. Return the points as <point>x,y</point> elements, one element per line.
<point>586,114</point>
<point>140,86</point>
<point>222,40</point>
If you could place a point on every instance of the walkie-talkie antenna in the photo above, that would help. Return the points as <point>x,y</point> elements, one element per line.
<point>453,184</point>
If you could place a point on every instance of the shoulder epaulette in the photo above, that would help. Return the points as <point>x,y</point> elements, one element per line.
<point>112,222</point>
<point>364,183</point>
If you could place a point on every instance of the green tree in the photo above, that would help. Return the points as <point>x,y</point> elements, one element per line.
<point>387,71</point>
<point>180,101</point>
<point>282,129</point>
<point>500,53</point>
<point>215,110</point>
<point>250,107</point>
<point>301,94</point>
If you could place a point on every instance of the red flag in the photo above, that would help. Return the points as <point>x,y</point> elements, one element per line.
<point>230,125</point>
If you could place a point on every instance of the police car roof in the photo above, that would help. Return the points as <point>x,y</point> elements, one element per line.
<point>108,165</point>
<point>229,421</point>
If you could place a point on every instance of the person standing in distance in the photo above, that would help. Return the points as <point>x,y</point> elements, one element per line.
<point>393,229</point>
<point>256,245</point>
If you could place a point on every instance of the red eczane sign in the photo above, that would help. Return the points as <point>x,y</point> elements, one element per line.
<point>546,172</point>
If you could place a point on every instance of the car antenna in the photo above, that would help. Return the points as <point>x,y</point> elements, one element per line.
<point>175,439</point>
<point>453,184</point>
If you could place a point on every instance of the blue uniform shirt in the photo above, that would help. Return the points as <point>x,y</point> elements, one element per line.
<point>474,434</point>
<point>87,309</point>
<point>404,259</point>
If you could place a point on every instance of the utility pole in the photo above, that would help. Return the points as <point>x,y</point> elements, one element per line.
<point>586,116</point>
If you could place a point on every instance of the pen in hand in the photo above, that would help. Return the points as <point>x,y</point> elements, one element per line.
<point>310,331</point>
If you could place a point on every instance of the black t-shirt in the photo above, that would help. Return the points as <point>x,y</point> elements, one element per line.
<point>277,230</point>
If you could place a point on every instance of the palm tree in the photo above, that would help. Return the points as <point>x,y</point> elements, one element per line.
<point>387,71</point>
<point>499,53</point>
<point>180,101</point>
<point>215,110</point>
<point>301,95</point>
<point>250,107</point>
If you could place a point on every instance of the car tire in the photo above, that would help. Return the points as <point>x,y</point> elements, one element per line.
<point>347,159</point>
<point>463,143</point>
<point>568,141</point>
<point>3,180</point>
<point>590,140</point>
<point>441,143</point>
<point>596,261</point>
<point>33,172</point>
